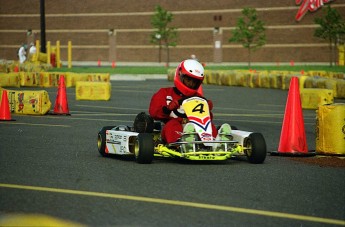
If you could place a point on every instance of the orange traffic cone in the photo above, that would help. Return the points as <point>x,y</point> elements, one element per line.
<point>293,138</point>
<point>5,113</point>
<point>61,104</point>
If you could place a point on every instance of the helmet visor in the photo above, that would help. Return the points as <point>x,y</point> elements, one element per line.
<point>190,82</point>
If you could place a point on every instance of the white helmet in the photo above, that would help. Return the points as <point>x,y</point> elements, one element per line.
<point>193,70</point>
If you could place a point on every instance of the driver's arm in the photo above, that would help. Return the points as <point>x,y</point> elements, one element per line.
<point>173,105</point>
<point>158,104</point>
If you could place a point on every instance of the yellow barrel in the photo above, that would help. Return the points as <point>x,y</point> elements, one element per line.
<point>330,129</point>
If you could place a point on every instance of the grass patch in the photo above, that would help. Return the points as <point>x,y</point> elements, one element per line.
<point>116,70</point>
<point>163,70</point>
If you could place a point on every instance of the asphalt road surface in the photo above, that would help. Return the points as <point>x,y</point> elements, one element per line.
<point>50,168</point>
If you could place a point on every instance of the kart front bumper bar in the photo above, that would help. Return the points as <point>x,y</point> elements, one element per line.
<point>164,151</point>
<point>203,142</point>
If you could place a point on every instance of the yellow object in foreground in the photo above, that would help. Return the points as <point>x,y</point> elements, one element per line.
<point>35,220</point>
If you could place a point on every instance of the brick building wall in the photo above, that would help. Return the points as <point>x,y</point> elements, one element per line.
<point>87,23</point>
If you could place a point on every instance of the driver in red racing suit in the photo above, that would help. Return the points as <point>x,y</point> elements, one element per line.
<point>165,104</point>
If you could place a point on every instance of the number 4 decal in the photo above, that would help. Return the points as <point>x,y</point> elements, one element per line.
<point>199,108</point>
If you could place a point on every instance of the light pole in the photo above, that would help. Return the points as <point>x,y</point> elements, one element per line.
<point>43,27</point>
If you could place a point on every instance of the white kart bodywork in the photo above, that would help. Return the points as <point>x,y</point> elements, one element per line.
<point>118,142</point>
<point>240,136</point>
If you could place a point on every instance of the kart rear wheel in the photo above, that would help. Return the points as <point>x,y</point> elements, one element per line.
<point>255,148</point>
<point>144,148</point>
<point>101,140</point>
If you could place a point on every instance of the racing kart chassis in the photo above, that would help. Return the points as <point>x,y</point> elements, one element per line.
<point>196,142</point>
<point>122,140</point>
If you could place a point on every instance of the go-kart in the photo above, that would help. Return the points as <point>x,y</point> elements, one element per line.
<point>124,140</point>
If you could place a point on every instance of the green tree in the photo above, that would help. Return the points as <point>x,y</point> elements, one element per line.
<point>331,28</point>
<point>163,35</point>
<point>249,31</point>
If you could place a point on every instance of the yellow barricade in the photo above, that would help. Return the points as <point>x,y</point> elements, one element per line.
<point>265,80</point>
<point>340,89</point>
<point>217,77</point>
<point>227,78</point>
<point>171,74</point>
<point>268,79</point>
<point>286,79</point>
<point>312,98</point>
<point>244,77</point>
<point>50,79</point>
<point>332,84</point>
<point>318,73</point>
<point>212,76</point>
<point>240,78</point>
<point>98,77</point>
<point>72,78</point>
<point>28,102</point>
<point>330,133</point>
<point>309,82</point>
<point>93,90</point>
<point>29,79</point>
<point>276,81</point>
<point>253,79</point>
<point>302,81</point>
<point>3,66</point>
<point>9,80</point>
<point>42,57</point>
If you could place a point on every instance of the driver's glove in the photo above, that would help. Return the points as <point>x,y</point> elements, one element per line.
<point>173,105</point>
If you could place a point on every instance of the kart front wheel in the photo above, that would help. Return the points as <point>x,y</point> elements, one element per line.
<point>144,148</point>
<point>255,148</point>
<point>101,140</point>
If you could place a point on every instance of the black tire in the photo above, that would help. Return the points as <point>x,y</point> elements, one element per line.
<point>101,140</point>
<point>256,148</point>
<point>144,148</point>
